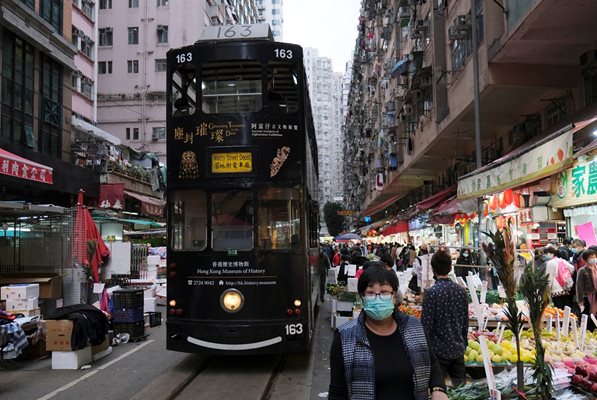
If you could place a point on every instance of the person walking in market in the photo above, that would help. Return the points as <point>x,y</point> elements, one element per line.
<point>560,274</point>
<point>586,284</point>
<point>383,354</point>
<point>445,319</point>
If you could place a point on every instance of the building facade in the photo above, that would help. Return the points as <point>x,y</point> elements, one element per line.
<point>38,61</point>
<point>326,103</point>
<point>271,12</point>
<point>134,37</point>
<point>411,115</point>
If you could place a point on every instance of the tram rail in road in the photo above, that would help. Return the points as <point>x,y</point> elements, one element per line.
<point>240,377</point>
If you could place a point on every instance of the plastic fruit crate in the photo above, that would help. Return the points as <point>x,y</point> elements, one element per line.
<point>155,319</point>
<point>128,298</point>
<point>134,329</point>
<point>127,314</point>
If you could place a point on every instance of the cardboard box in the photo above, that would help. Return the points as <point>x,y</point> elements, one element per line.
<point>59,335</point>
<point>22,304</point>
<point>27,313</point>
<point>50,283</point>
<point>19,291</point>
<point>71,359</point>
<point>101,347</point>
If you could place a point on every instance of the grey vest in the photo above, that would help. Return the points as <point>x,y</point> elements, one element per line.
<point>358,357</point>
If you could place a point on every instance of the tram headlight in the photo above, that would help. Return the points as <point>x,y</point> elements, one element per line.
<point>172,303</point>
<point>232,300</point>
<point>297,303</point>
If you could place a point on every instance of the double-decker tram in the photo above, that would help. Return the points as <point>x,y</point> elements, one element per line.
<point>242,270</point>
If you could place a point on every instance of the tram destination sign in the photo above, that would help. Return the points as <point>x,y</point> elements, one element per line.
<point>226,163</point>
<point>236,32</point>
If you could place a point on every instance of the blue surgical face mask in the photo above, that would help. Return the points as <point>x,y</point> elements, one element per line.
<point>574,250</point>
<point>546,257</point>
<point>465,254</point>
<point>378,309</point>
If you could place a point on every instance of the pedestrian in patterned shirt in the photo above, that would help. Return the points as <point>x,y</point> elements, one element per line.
<point>445,319</point>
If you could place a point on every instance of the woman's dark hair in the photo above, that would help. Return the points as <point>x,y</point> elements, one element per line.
<point>550,250</point>
<point>387,260</point>
<point>376,274</point>
<point>441,262</point>
<point>588,253</point>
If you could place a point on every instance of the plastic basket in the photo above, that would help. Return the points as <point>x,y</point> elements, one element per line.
<point>131,298</point>
<point>135,329</point>
<point>155,319</point>
<point>127,314</point>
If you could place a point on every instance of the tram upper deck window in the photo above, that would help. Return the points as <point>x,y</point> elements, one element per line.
<point>189,220</point>
<point>183,91</point>
<point>282,82</point>
<point>232,220</point>
<point>279,219</point>
<point>231,86</point>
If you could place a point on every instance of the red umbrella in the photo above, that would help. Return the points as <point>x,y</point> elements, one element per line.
<point>86,231</point>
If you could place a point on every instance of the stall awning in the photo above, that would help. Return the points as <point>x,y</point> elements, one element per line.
<point>399,68</point>
<point>381,206</point>
<point>20,167</point>
<point>432,201</point>
<point>396,227</point>
<point>149,205</point>
<point>524,165</point>
<point>94,131</point>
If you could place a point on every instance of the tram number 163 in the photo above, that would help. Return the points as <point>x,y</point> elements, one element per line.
<point>294,329</point>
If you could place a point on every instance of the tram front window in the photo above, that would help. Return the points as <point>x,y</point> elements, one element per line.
<point>232,220</point>
<point>279,219</point>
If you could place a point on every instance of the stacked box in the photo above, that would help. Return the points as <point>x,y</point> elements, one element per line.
<point>127,312</point>
<point>21,298</point>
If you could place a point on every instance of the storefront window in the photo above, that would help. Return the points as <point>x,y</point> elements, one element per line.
<point>189,221</point>
<point>279,219</point>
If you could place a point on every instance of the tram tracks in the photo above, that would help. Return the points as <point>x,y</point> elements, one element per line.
<point>238,377</point>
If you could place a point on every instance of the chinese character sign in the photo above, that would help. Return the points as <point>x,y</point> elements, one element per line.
<point>577,185</point>
<point>19,167</point>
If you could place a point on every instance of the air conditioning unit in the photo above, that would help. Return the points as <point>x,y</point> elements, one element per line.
<point>455,33</point>
<point>160,27</point>
<point>403,12</point>
<point>421,24</point>
<point>407,109</point>
<point>463,20</point>
<point>108,29</point>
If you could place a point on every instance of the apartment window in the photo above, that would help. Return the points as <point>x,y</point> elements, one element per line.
<point>276,11</point>
<point>29,3</point>
<point>160,65</point>
<point>87,86</point>
<point>18,65</point>
<point>51,11</point>
<point>105,4</point>
<point>132,66</point>
<point>275,1</point>
<point>50,138</point>
<point>86,7</point>
<point>104,67</point>
<point>158,133</point>
<point>162,3</point>
<point>162,31</point>
<point>135,132</point>
<point>133,3</point>
<point>133,35</point>
<point>275,22</point>
<point>105,36</point>
<point>86,46</point>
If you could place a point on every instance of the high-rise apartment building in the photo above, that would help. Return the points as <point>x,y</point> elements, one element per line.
<point>134,36</point>
<point>270,11</point>
<point>326,103</point>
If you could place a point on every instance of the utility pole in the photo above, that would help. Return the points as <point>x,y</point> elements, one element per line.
<point>477,109</point>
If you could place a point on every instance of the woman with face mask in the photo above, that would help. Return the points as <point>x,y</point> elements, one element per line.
<point>586,284</point>
<point>383,354</point>
<point>464,259</point>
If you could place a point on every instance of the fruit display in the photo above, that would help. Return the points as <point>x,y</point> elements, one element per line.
<point>414,311</point>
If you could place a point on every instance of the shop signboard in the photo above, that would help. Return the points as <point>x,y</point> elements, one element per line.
<point>536,163</point>
<point>577,185</point>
